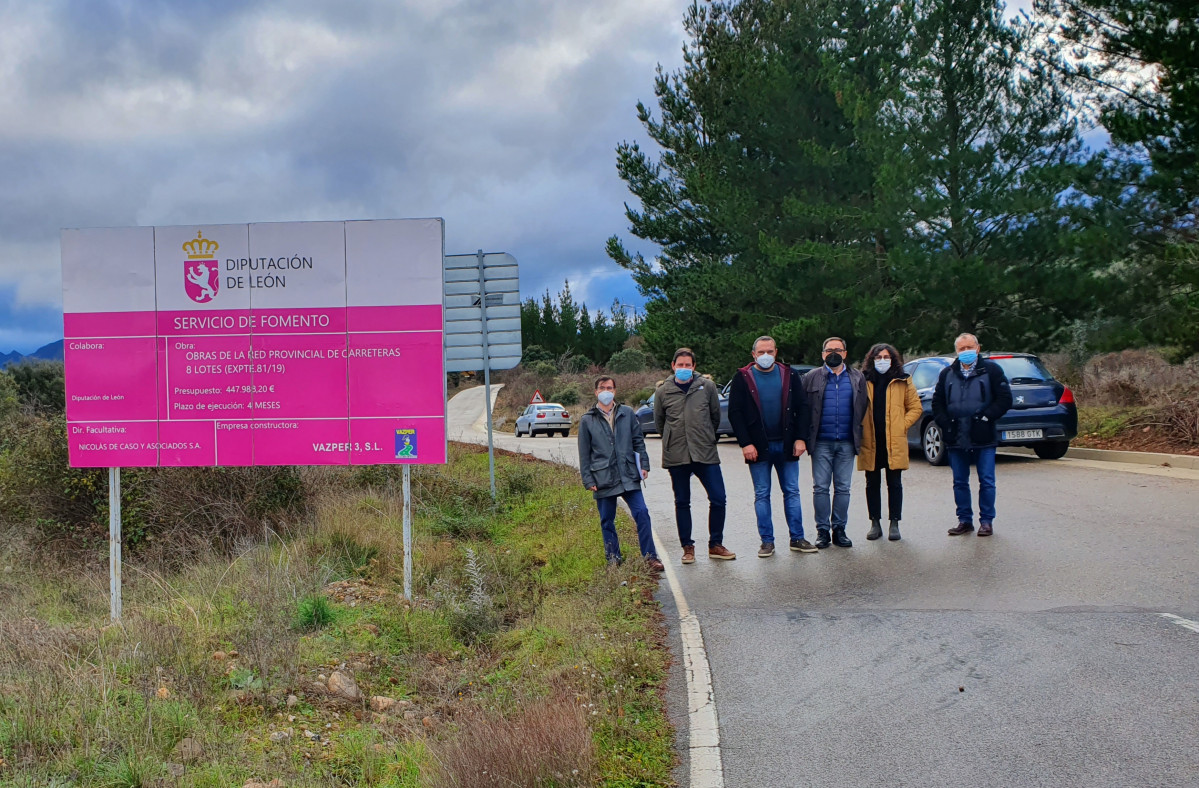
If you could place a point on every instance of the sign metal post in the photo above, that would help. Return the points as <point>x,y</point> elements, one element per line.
<point>487,376</point>
<point>114,543</point>
<point>408,533</point>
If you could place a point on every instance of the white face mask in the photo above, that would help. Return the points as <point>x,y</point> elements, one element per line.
<point>765,361</point>
<point>881,365</point>
<point>606,397</point>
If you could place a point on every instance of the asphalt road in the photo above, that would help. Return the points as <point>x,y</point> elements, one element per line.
<point>1037,657</point>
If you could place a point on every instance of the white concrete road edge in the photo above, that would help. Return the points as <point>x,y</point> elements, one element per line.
<point>706,768</point>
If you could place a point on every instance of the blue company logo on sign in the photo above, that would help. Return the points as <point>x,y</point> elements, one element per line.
<point>406,444</point>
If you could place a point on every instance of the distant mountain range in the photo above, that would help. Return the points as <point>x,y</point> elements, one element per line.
<point>51,352</point>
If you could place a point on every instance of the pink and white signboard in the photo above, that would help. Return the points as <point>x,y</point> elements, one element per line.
<point>311,343</point>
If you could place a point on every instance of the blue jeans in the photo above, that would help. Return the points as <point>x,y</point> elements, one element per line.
<point>713,481</point>
<point>607,513</point>
<point>787,469</point>
<point>960,461</point>
<point>832,465</point>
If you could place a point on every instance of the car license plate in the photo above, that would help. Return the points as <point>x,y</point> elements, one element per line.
<point>1023,435</point>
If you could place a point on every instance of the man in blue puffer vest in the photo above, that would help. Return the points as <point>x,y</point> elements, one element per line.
<point>837,400</point>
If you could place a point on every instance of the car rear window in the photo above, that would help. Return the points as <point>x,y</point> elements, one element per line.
<point>926,373</point>
<point>1023,369</point>
<point>551,408</point>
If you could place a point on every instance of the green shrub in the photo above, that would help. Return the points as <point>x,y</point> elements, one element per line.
<point>40,385</point>
<point>534,353</point>
<point>314,612</point>
<point>639,396</point>
<point>576,364</point>
<point>543,369</point>
<point>568,394</point>
<point>629,360</point>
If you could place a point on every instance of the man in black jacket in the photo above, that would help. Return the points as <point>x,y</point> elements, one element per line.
<point>769,416</point>
<point>972,394</point>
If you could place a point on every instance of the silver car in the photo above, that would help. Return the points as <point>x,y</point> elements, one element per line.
<point>548,418</point>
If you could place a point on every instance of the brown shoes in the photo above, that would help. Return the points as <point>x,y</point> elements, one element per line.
<point>654,564</point>
<point>984,529</point>
<point>689,554</point>
<point>962,528</point>
<point>721,552</point>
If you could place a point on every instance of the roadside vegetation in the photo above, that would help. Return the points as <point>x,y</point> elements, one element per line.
<point>1135,400</point>
<point>574,390</point>
<point>266,641</point>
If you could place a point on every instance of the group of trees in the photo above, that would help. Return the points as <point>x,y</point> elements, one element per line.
<point>558,327</point>
<point>904,171</point>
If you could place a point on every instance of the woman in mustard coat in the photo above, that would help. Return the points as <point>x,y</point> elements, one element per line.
<point>894,408</point>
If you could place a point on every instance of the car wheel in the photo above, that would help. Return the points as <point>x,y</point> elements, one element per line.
<point>1053,450</point>
<point>565,433</point>
<point>933,444</point>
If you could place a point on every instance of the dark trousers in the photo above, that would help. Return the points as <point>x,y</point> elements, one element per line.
<point>874,487</point>
<point>637,508</point>
<point>713,481</point>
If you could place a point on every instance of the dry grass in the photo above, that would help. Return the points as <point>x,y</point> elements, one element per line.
<point>1136,377</point>
<point>513,607</point>
<point>548,743</point>
<point>1137,399</point>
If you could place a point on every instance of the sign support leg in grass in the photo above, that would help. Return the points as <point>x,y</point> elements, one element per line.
<point>486,374</point>
<point>114,542</point>
<point>408,533</point>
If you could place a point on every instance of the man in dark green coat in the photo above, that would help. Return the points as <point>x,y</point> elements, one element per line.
<point>687,415</point>
<point>613,462</point>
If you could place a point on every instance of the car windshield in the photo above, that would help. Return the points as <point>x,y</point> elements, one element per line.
<point>1023,369</point>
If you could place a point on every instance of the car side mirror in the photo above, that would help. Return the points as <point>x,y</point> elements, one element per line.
<point>643,402</point>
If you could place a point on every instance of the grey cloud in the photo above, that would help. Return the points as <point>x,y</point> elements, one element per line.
<point>502,118</point>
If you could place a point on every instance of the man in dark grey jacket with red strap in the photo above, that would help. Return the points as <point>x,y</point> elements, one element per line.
<point>769,416</point>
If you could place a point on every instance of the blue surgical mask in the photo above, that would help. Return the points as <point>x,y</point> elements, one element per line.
<point>968,357</point>
<point>683,375</point>
<point>765,361</point>
<point>606,397</point>
<point>882,365</point>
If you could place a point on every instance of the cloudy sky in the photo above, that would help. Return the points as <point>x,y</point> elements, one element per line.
<point>500,117</point>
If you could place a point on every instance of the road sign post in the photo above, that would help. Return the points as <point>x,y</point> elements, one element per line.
<point>483,323</point>
<point>114,543</point>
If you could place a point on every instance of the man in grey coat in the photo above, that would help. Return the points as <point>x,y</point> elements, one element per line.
<point>613,462</point>
<point>687,415</point>
<point>837,403</point>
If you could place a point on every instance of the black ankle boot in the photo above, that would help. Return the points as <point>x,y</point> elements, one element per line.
<point>822,538</point>
<point>876,529</point>
<point>840,539</point>
<point>894,534</point>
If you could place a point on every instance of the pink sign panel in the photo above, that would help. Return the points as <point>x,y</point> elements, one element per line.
<point>313,343</point>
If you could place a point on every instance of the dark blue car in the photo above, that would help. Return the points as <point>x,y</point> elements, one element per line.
<point>1043,415</point>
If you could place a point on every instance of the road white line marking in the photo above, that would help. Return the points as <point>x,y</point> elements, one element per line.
<point>707,770</point>
<point>1185,623</point>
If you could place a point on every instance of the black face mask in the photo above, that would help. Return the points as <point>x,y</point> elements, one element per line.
<point>834,360</point>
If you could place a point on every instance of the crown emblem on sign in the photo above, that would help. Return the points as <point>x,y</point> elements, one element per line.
<point>201,248</point>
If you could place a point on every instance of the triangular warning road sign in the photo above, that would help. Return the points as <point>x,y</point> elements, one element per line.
<point>537,397</point>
